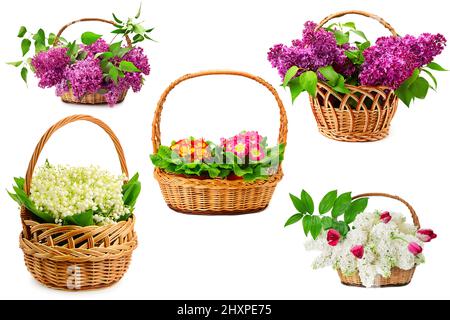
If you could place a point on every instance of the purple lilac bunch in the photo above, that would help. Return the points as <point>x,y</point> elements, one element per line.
<point>315,50</point>
<point>50,66</point>
<point>54,68</point>
<point>392,60</point>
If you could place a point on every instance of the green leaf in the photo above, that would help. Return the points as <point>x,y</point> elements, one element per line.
<point>39,37</point>
<point>434,66</point>
<point>316,226</point>
<point>138,14</point>
<point>407,83</point>
<point>405,95</point>
<point>355,208</point>
<point>308,201</point>
<point>131,194</point>
<point>361,34</point>
<point>140,30</point>
<point>340,86</point>
<point>51,38</point>
<point>116,19</point>
<point>138,38</point>
<point>15,63</point>
<point>327,202</point>
<point>306,222</point>
<point>341,226</point>
<point>295,88</point>
<point>327,223</point>
<point>432,77</point>
<point>294,219</point>
<point>298,204</point>
<point>118,31</point>
<point>27,203</point>
<point>21,32</point>
<point>308,81</point>
<point>88,37</point>
<point>341,37</point>
<point>341,204</point>
<point>331,75</point>
<point>25,45</point>
<point>114,48</point>
<point>289,75</point>
<point>114,74</point>
<point>24,74</point>
<point>350,25</point>
<point>420,88</point>
<point>241,171</point>
<point>128,66</point>
<point>83,219</point>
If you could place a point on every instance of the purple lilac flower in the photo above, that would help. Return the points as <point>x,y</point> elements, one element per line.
<point>140,60</point>
<point>50,66</point>
<point>85,76</point>
<point>392,60</point>
<point>115,91</point>
<point>316,49</point>
<point>98,46</point>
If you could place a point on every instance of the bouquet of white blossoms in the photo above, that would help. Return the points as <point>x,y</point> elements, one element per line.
<point>80,196</point>
<point>368,243</point>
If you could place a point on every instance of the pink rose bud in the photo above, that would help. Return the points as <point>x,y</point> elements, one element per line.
<point>333,237</point>
<point>426,235</point>
<point>414,248</point>
<point>385,217</point>
<point>357,251</point>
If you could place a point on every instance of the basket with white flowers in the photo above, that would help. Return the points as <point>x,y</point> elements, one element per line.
<point>78,222</point>
<point>370,249</point>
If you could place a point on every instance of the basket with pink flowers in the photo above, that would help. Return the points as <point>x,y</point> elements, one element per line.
<point>93,71</point>
<point>354,85</point>
<point>234,176</point>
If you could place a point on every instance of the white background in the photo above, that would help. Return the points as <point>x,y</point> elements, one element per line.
<point>243,257</point>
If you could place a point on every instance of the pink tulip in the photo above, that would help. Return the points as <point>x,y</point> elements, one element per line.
<point>385,217</point>
<point>333,237</point>
<point>426,235</point>
<point>357,251</point>
<point>414,248</point>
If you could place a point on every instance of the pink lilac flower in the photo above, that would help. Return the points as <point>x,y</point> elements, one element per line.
<point>85,76</point>
<point>415,248</point>
<point>385,217</point>
<point>98,46</point>
<point>358,251</point>
<point>50,66</point>
<point>316,49</point>
<point>333,237</point>
<point>392,60</point>
<point>426,235</point>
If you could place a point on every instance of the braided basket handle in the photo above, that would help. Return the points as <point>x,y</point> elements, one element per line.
<point>156,130</point>
<point>58,35</point>
<point>386,195</point>
<point>59,125</point>
<point>361,13</point>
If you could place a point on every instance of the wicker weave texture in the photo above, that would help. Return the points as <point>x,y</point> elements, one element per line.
<point>90,98</point>
<point>74,257</point>
<point>398,276</point>
<point>216,196</point>
<point>364,114</point>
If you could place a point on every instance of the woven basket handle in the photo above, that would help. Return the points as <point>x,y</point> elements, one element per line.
<point>386,195</point>
<point>156,131</point>
<point>59,125</point>
<point>58,35</point>
<point>361,13</point>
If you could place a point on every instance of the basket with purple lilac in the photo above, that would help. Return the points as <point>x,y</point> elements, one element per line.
<point>93,71</point>
<point>354,86</point>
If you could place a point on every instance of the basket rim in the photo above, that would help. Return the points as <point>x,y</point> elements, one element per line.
<point>159,174</point>
<point>360,87</point>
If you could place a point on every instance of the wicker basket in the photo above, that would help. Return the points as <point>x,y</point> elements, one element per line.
<point>398,276</point>
<point>362,115</point>
<point>73,257</point>
<point>90,98</point>
<point>216,196</point>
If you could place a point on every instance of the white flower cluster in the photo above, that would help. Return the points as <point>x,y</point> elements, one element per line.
<point>385,247</point>
<point>65,191</point>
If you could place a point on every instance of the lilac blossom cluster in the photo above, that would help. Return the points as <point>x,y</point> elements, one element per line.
<point>392,60</point>
<point>315,50</point>
<point>54,69</point>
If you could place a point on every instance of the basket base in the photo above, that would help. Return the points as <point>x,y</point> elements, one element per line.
<point>91,98</point>
<point>380,286</point>
<point>353,137</point>
<point>217,213</point>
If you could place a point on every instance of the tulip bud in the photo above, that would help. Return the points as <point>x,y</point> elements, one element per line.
<point>385,217</point>
<point>333,237</point>
<point>415,248</point>
<point>357,251</point>
<point>426,235</point>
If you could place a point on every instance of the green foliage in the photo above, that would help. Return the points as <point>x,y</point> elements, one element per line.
<point>338,205</point>
<point>89,38</point>
<point>220,166</point>
<point>132,28</point>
